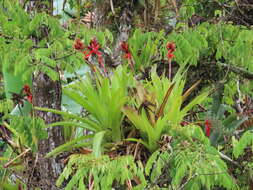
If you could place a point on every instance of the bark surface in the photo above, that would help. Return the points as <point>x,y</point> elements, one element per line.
<point>47,93</point>
<point>43,172</point>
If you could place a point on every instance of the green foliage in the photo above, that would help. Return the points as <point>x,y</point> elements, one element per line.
<point>225,41</point>
<point>205,8</point>
<point>5,106</point>
<point>199,166</point>
<point>244,142</point>
<point>160,108</point>
<point>103,101</point>
<point>216,44</point>
<point>190,46</point>
<point>222,125</point>
<point>78,142</point>
<point>33,43</point>
<point>40,43</point>
<point>157,164</point>
<point>155,108</point>
<point>144,47</point>
<point>84,171</point>
<point>27,131</point>
<point>190,162</point>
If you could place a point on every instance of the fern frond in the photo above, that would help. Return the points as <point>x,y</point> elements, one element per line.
<point>105,172</point>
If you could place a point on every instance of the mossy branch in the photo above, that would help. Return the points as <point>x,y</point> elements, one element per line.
<point>238,70</point>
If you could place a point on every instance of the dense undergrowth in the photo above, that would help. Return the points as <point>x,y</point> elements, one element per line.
<point>175,114</point>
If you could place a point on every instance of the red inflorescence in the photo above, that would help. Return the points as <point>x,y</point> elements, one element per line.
<point>27,92</point>
<point>208,127</point>
<point>171,47</point>
<point>91,50</point>
<point>27,89</point>
<point>125,48</point>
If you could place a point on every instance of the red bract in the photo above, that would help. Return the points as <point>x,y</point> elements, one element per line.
<point>171,47</point>
<point>125,48</point>
<point>128,55</point>
<point>27,89</point>
<point>27,92</point>
<point>94,45</point>
<point>30,98</point>
<point>78,45</point>
<point>170,55</point>
<point>94,50</point>
<point>208,127</point>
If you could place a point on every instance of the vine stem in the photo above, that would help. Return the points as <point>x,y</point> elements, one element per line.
<point>195,175</point>
<point>169,69</point>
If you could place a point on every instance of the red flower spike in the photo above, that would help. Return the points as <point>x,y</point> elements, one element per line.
<point>27,92</point>
<point>26,89</point>
<point>78,45</point>
<point>125,48</point>
<point>170,56</point>
<point>171,46</point>
<point>128,55</point>
<point>94,45</point>
<point>94,50</point>
<point>208,127</point>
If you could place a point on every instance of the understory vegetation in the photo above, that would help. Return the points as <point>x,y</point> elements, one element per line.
<point>158,95</point>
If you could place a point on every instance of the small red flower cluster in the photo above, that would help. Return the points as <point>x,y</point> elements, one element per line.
<point>125,48</point>
<point>28,94</point>
<point>91,50</point>
<point>208,127</point>
<point>171,47</point>
<point>127,54</point>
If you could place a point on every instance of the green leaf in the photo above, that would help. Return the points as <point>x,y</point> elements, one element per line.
<point>72,124</point>
<point>69,145</point>
<point>34,24</point>
<point>92,124</point>
<point>97,143</point>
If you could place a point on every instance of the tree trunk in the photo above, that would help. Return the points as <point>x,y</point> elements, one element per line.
<point>123,21</point>
<point>47,93</point>
<point>43,172</point>
<point>125,25</point>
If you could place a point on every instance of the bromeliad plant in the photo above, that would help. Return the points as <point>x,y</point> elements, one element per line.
<point>158,107</point>
<point>220,128</point>
<point>102,101</point>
